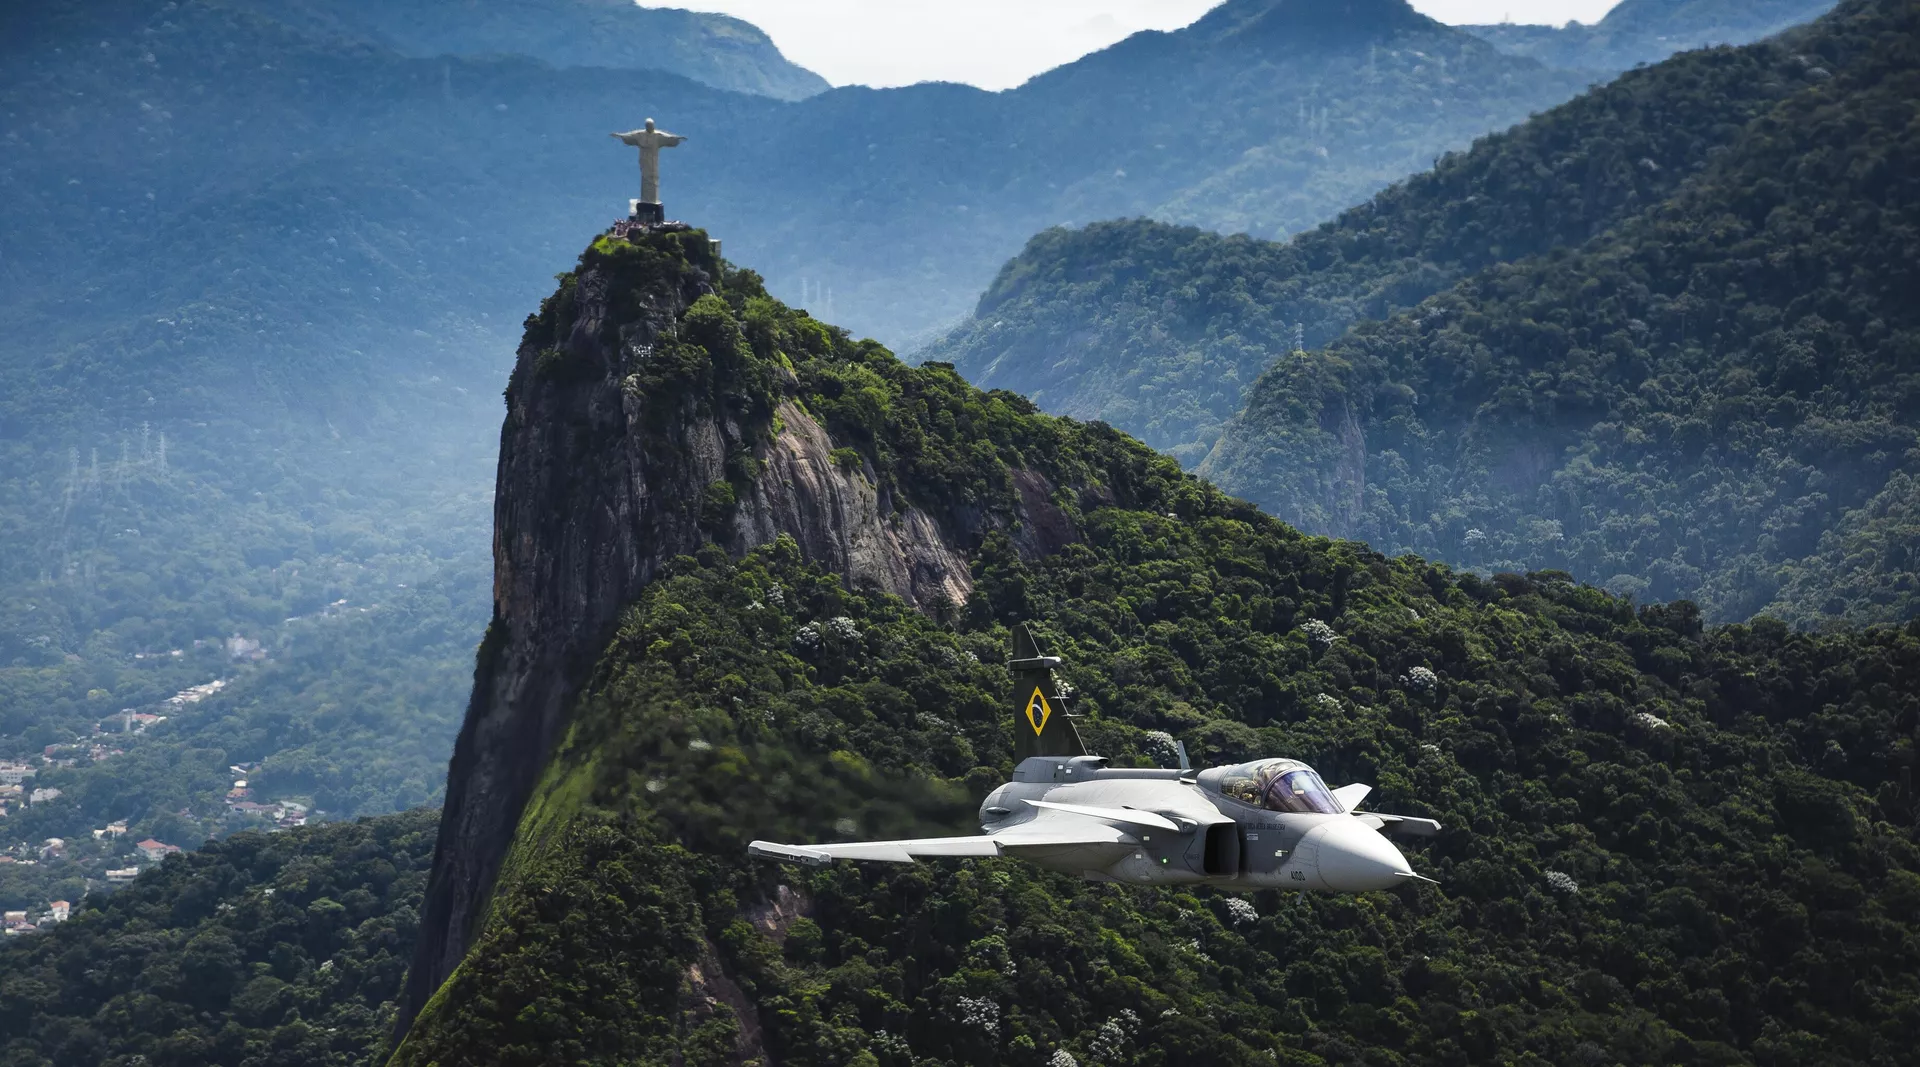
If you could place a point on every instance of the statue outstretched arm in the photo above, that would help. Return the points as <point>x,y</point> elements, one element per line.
<point>670,140</point>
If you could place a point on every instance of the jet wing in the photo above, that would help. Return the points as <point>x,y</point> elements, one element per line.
<point>1124,816</point>
<point>1039,834</point>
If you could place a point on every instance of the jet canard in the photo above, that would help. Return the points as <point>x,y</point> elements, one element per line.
<point>1269,823</point>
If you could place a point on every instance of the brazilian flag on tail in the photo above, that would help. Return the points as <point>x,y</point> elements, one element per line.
<point>1040,725</point>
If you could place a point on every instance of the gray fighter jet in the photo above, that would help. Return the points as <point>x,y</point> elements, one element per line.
<point>1271,823</point>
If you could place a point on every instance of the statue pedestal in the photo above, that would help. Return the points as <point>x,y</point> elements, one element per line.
<point>636,230</point>
<point>652,214</point>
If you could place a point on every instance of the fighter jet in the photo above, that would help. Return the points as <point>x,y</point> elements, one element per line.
<point>1270,823</point>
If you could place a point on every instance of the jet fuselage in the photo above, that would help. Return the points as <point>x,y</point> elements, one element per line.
<point>1205,836</point>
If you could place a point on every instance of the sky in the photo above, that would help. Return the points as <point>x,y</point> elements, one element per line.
<point>997,44</point>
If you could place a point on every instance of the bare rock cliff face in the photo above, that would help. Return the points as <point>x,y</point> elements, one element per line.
<point>843,521</point>
<point>599,487</point>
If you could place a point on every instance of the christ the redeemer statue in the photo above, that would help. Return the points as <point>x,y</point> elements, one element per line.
<point>650,141</point>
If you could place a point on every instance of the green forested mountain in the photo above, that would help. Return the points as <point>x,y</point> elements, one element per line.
<point>1157,329</point>
<point>1160,329</point>
<point>1647,31</point>
<point>283,950</point>
<point>1644,817</point>
<point>1711,400</point>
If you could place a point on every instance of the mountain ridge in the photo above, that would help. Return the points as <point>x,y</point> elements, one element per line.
<point>876,154</point>
<point>1644,31</point>
<point>1286,22</point>
<point>713,49</point>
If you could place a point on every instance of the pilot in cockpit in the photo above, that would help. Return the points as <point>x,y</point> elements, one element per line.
<point>1279,785</point>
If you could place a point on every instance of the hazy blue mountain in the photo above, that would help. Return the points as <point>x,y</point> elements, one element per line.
<point>217,422</point>
<point>1269,115</point>
<point>1647,31</point>
<point>716,50</point>
<point>1265,116</point>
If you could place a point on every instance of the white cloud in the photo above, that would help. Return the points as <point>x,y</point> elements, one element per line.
<point>997,44</point>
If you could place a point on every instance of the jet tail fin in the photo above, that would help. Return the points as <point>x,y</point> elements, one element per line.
<point>1041,726</point>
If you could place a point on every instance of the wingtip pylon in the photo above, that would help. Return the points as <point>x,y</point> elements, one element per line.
<point>768,850</point>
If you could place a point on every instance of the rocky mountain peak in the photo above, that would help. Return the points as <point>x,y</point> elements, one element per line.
<point>662,405</point>
<point>1312,23</point>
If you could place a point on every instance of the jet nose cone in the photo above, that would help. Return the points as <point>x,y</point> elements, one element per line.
<point>1355,858</point>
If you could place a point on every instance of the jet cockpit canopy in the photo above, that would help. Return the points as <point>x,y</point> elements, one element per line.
<point>1274,784</point>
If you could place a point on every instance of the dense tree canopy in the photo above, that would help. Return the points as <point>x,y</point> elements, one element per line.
<point>282,950</point>
<point>1664,842</point>
<point>1663,845</point>
<point>252,328</point>
<point>250,312</point>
